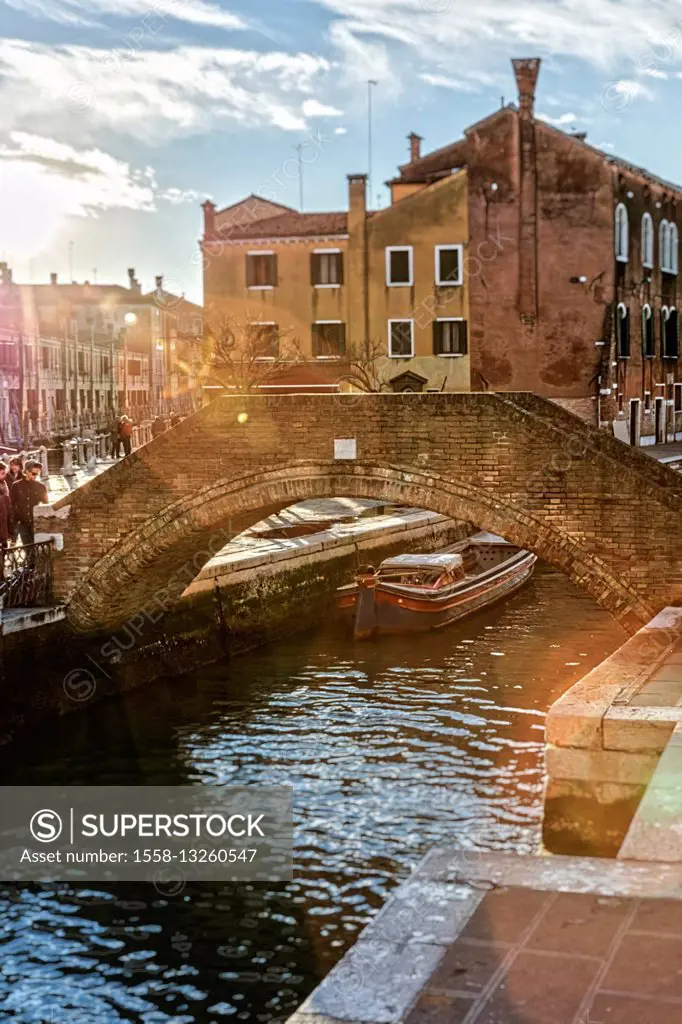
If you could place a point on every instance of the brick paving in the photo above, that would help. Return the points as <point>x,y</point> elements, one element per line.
<point>560,958</point>
<point>504,939</point>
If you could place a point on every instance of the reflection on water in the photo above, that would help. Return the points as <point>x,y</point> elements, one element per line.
<point>391,747</point>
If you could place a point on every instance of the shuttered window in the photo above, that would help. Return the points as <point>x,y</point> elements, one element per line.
<point>329,339</point>
<point>261,270</point>
<point>326,269</point>
<point>449,337</point>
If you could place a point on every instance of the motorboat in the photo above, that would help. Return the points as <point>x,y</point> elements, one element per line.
<point>415,593</point>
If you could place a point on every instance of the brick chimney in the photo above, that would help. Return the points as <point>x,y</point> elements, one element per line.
<point>53,278</point>
<point>209,218</point>
<point>526,72</point>
<point>357,274</point>
<point>5,274</point>
<point>415,147</point>
<point>133,283</point>
<point>159,282</point>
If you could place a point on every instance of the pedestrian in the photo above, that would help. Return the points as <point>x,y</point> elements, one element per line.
<point>125,432</point>
<point>25,495</point>
<point>6,517</point>
<point>15,471</point>
<point>158,426</point>
<point>115,435</point>
<point>175,419</point>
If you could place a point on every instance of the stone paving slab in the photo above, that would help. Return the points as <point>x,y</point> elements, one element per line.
<point>537,940</point>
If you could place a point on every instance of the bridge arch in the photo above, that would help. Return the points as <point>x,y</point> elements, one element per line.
<point>144,572</point>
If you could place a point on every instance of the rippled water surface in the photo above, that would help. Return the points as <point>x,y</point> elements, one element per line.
<point>391,747</point>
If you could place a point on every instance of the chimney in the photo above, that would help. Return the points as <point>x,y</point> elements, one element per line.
<point>358,264</point>
<point>133,283</point>
<point>209,219</point>
<point>5,274</point>
<point>357,198</point>
<point>159,282</point>
<point>53,278</point>
<point>526,72</point>
<point>415,147</point>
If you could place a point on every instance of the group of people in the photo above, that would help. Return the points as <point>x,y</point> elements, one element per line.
<point>20,492</point>
<point>122,436</point>
<point>159,425</point>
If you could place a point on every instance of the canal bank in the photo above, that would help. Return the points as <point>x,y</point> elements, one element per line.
<point>278,579</point>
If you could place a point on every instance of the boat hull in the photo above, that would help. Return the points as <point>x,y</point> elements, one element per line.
<point>374,609</point>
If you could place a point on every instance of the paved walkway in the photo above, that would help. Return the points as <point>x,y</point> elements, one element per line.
<point>501,939</point>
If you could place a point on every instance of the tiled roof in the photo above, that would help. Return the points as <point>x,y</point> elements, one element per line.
<point>290,225</point>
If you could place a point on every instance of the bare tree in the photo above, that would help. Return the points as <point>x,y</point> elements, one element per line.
<point>364,368</point>
<point>245,356</point>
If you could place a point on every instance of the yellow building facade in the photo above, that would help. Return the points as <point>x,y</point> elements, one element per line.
<point>338,287</point>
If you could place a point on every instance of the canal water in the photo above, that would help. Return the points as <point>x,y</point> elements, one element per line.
<point>391,747</point>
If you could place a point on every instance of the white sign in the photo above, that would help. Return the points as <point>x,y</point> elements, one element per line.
<point>345,448</point>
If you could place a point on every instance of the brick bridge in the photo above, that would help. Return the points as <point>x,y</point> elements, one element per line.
<point>514,464</point>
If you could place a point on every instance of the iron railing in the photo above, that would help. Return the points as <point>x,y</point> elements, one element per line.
<point>27,576</point>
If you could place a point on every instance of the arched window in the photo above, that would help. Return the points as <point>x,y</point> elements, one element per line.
<point>621,233</point>
<point>622,331</point>
<point>647,241</point>
<point>669,332</point>
<point>674,242</point>
<point>664,245</point>
<point>648,342</point>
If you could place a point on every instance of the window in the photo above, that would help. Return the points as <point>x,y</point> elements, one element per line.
<point>621,233</point>
<point>329,339</point>
<point>674,247</point>
<point>448,265</point>
<point>264,339</point>
<point>648,342</point>
<point>669,332</point>
<point>326,268</point>
<point>401,339</point>
<point>664,245</point>
<point>450,337</point>
<point>622,331</point>
<point>45,357</point>
<point>399,266</point>
<point>678,398</point>
<point>261,270</point>
<point>647,241</point>
<point>134,368</point>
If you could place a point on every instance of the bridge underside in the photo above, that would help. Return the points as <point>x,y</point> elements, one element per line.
<point>146,572</point>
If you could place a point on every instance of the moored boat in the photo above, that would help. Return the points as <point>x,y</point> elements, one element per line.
<point>416,593</point>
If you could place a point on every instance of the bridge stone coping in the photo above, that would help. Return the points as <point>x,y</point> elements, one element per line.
<point>513,464</point>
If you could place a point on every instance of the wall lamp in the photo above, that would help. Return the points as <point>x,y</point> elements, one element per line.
<point>578,280</point>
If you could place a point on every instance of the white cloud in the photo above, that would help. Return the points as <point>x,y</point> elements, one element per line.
<point>340,131</point>
<point>601,33</point>
<point>75,91</point>
<point>313,108</point>
<point>154,15</point>
<point>654,73</point>
<point>562,119</point>
<point>444,82</point>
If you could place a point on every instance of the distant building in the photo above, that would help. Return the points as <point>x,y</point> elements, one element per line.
<point>72,355</point>
<point>517,258</point>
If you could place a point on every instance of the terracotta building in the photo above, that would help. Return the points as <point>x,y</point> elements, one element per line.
<point>73,354</point>
<point>518,257</point>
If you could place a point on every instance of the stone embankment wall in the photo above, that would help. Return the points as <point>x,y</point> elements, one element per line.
<point>238,603</point>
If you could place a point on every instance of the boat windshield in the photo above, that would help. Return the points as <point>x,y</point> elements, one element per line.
<point>411,577</point>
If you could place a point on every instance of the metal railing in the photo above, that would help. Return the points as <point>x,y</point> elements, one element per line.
<point>27,576</point>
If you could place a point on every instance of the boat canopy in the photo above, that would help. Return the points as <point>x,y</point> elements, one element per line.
<point>446,561</point>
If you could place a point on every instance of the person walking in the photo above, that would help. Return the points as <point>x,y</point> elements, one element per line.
<point>115,435</point>
<point>25,495</point>
<point>6,518</point>
<point>15,471</point>
<point>125,431</point>
<point>158,427</point>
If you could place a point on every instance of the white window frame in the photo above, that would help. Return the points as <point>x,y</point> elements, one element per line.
<point>450,319</point>
<point>621,233</point>
<point>647,241</point>
<point>264,323</point>
<point>449,283</point>
<point>674,245</point>
<point>401,320</point>
<point>327,358</point>
<point>261,287</point>
<point>323,252</point>
<point>399,248</point>
<point>664,245</point>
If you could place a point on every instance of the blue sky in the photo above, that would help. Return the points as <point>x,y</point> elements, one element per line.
<point>119,117</point>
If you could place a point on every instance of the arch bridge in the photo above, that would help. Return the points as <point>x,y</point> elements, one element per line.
<point>514,464</point>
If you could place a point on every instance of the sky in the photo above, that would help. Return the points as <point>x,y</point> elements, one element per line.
<point>118,118</point>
